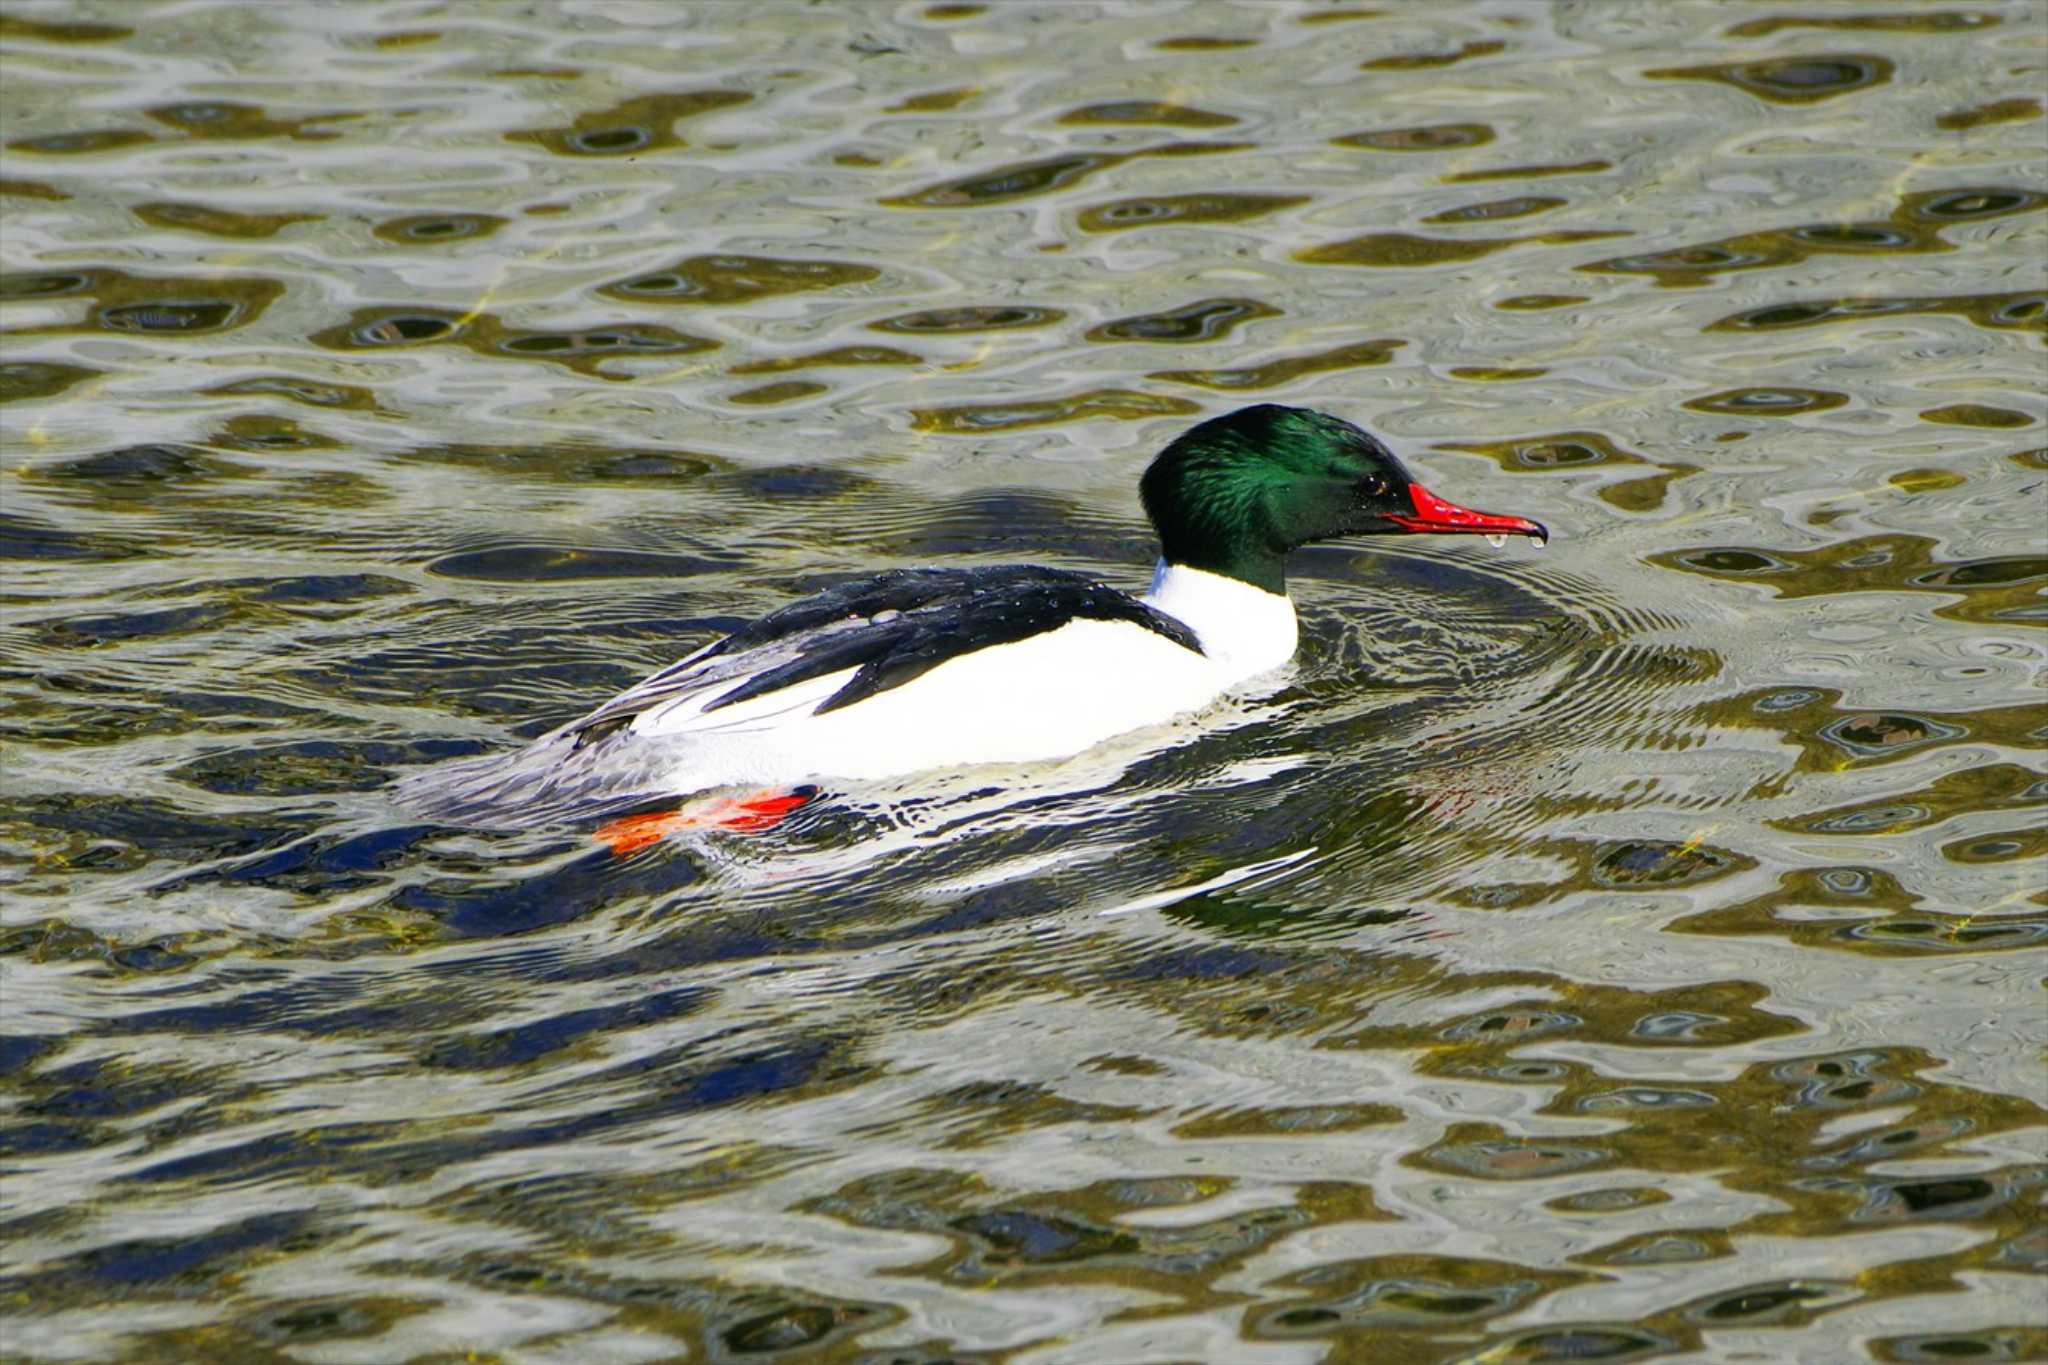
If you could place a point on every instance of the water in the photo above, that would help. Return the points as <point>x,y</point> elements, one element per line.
<point>1628,951</point>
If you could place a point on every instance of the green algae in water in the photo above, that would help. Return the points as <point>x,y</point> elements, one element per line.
<point>1176,209</point>
<point>1768,402</point>
<point>727,279</point>
<point>1200,321</point>
<point>1977,415</point>
<point>1352,355</point>
<point>645,123</point>
<point>1434,137</point>
<point>969,419</point>
<point>220,222</point>
<point>441,494</point>
<point>1791,80</point>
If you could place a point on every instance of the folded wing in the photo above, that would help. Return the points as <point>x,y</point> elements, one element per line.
<point>887,630</point>
<point>814,656</point>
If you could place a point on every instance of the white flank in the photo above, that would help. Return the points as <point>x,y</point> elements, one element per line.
<point>1045,697</point>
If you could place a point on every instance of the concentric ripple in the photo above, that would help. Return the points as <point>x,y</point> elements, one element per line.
<point>1621,952</point>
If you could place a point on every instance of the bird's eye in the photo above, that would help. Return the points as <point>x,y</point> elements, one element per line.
<point>1372,486</point>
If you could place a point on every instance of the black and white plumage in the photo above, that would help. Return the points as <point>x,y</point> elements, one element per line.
<point>920,669</point>
<point>907,670</point>
<point>891,629</point>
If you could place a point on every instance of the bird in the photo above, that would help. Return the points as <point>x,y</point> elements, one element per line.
<point>921,669</point>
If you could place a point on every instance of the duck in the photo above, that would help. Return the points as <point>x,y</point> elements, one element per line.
<point>921,669</point>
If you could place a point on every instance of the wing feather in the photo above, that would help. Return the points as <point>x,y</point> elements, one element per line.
<point>817,654</point>
<point>887,630</point>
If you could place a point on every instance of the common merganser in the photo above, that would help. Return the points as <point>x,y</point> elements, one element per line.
<point>917,669</point>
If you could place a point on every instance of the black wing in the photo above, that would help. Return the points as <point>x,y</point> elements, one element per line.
<point>891,628</point>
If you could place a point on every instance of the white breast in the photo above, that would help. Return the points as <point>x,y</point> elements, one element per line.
<point>1247,630</point>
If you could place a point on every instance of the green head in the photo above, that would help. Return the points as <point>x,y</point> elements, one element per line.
<point>1234,494</point>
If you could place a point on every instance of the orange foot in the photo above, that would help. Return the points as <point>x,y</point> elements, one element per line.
<point>749,814</point>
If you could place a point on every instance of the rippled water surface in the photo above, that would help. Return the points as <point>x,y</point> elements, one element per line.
<point>1629,951</point>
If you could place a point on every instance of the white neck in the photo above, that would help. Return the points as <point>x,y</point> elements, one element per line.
<point>1244,629</point>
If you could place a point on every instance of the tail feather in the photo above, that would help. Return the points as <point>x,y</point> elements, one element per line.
<point>547,782</point>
